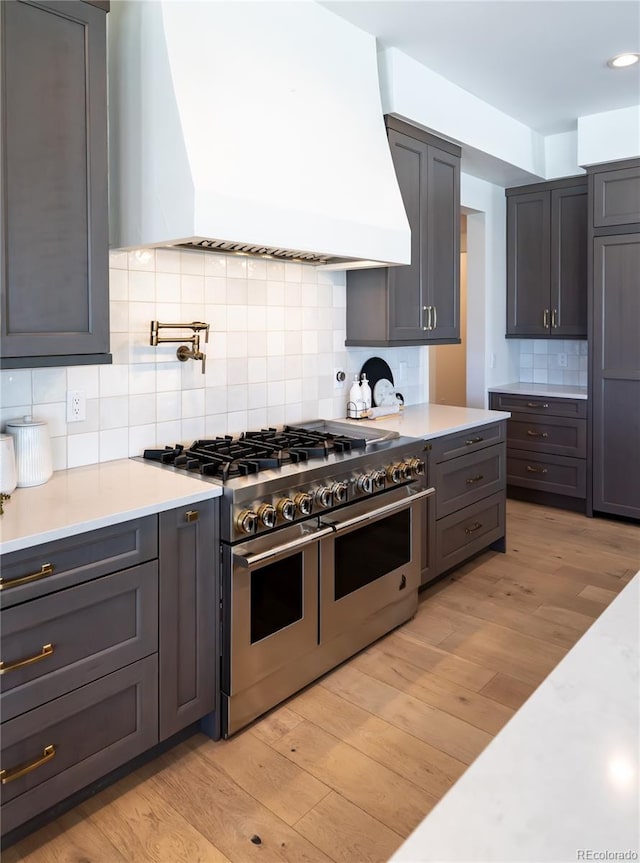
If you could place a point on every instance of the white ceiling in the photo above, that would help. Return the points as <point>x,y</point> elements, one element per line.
<point>543,62</point>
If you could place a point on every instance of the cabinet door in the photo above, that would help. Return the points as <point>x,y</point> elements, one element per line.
<point>616,197</point>
<point>616,375</point>
<point>189,615</point>
<point>54,240</point>
<point>528,260</point>
<point>406,300</point>
<point>443,244</point>
<point>569,262</point>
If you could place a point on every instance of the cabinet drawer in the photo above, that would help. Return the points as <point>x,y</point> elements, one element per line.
<point>33,572</point>
<point>57,643</point>
<point>540,405</point>
<point>548,434</point>
<point>469,530</point>
<point>74,740</point>
<point>552,473</point>
<point>465,442</point>
<point>464,480</point>
<point>616,197</point>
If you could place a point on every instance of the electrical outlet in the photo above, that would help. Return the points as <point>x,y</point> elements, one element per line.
<point>562,361</point>
<point>339,377</point>
<point>76,406</point>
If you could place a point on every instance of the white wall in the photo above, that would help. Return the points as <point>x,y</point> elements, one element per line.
<point>561,155</point>
<point>609,136</point>
<point>277,334</point>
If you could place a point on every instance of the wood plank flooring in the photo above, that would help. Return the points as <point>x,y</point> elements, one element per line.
<point>345,770</point>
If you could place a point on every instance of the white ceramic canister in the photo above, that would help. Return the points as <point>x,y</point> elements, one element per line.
<point>8,479</point>
<point>33,450</point>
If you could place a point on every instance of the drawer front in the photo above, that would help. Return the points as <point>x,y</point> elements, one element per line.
<point>469,478</point>
<point>42,569</point>
<point>76,739</point>
<point>550,473</point>
<point>616,197</point>
<point>540,405</point>
<point>57,643</point>
<point>468,531</point>
<point>453,445</point>
<point>548,435</point>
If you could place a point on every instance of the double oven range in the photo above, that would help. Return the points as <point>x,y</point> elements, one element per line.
<point>319,551</point>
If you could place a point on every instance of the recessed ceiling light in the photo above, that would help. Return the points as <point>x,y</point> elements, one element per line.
<point>622,60</point>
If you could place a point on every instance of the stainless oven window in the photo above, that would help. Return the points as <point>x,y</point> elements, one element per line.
<point>277,597</point>
<point>370,552</point>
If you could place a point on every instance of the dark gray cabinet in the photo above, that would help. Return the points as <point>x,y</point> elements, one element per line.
<point>547,260</point>
<point>53,174</point>
<point>418,303</point>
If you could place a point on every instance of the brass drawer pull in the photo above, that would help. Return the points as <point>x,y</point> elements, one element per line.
<point>537,405</point>
<point>47,650</point>
<point>192,515</point>
<point>532,433</point>
<point>21,770</point>
<point>536,469</point>
<point>473,529</point>
<point>545,319</point>
<point>45,569</point>
<point>473,440</point>
<point>476,478</point>
<point>554,319</point>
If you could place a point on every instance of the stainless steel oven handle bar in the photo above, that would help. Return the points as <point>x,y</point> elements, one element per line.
<point>249,560</point>
<point>383,510</point>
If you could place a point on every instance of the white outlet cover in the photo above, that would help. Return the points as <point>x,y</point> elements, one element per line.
<point>76,406</point>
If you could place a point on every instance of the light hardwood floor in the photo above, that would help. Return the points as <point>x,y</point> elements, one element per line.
<point>346,769</point>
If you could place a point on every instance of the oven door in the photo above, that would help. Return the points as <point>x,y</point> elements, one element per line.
<point>271,616</point>
<point>371,560</point>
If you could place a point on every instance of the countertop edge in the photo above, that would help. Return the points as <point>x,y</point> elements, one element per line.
<point>552,391</point>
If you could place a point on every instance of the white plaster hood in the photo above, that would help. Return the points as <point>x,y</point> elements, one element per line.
<point>250,123</point>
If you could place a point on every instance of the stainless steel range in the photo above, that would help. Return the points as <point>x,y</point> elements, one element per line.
<point>319,554</point>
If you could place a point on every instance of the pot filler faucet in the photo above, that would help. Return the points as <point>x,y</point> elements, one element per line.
<point>183,353</point>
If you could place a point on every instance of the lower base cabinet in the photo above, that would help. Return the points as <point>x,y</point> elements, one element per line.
<point>109,645</point>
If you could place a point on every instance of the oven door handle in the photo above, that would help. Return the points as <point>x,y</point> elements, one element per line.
<point>249,560</point>
<point>390,508</point>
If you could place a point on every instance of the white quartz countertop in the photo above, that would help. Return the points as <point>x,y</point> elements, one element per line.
<point>86,498</point>
<point>561,778</point>
<point>558,391</point>
<point>432,420</point>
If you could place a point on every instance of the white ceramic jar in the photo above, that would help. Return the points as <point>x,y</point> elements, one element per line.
<point>34,464</point>
<point>8,479</point>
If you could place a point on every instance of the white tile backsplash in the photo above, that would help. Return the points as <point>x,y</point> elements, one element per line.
<point>277,334</point>
<point>554,361</point>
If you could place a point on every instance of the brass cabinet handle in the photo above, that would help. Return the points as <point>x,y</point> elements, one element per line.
<point>473,529</point>
<point>192,515</point>
<point>45,569</point>
<point>21,770</point>
<point>473,440</point>
<point>435,317</point>
<point>537,405</point>
<point>425,327</point>
<point>476,478</point>
<point>532,433</point>
<point>536,469</point>
<point>47,650</point>
<point>545,319</point>
<point>554,319</point>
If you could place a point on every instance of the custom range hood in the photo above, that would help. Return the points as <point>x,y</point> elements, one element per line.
<point>250,127</point>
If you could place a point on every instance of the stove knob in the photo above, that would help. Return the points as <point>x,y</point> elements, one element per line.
<point>379,479</point>
<point>267,514</point>
<point>365,482</point>
<point>247,521</point>
<point>324,498</point>
<point>339,491</point>
<point>407,473</point>
<point>394,472</point>
<point>304,502</point>
<point>286,508</point>
<point>418,467</point>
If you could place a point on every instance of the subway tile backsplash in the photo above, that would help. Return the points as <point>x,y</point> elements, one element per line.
<point>554,361</point>
<point>277,334</point>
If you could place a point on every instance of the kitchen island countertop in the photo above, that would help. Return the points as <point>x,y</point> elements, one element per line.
<point>431,420</point>
<point>561,778</point>
<point>86,498</point>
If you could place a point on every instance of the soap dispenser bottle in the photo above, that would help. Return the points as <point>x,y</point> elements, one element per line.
<point>366,393</point>
<point>354,408</point>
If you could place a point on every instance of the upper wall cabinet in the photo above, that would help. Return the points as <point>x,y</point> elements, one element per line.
<point>547,260</point>
<point>419,303</point>
<point>53,172</point>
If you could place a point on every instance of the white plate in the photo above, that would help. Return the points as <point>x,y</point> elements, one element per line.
<point>384,393</point>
